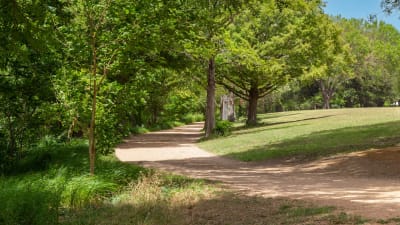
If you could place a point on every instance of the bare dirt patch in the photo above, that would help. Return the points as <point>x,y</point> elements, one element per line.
<point>363,183</point>
<point>374,163</point>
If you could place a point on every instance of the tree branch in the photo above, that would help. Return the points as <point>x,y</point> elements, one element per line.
<point>237,92</point>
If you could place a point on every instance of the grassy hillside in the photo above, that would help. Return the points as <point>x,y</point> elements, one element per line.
<point>310,134</point>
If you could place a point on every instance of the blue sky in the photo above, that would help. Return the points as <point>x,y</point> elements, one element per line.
<point>361,9</point>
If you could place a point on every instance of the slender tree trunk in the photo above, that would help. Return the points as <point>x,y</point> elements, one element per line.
<point>92,137</point>
<point>12,143</point>
<point>210,110</point>
<point>71,128</point>
<point>252,108</point>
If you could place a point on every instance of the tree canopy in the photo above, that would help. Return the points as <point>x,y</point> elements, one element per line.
<point>268,45</point>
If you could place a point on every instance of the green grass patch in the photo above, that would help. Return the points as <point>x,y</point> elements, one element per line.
<point>344,218</point>
<point>53,178</point>
<point>389,221</point>
<point>29,201</point>
<point>310,134</point>
<point>52,185</point>
<point>296,211</point>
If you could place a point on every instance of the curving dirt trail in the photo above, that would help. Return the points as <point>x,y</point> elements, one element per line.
<point>363,183</point>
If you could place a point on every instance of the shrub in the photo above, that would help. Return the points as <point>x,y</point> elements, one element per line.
<point>48,141</point>
<point>192,117</point>
<point>139,130</point>
<point>223,128</point>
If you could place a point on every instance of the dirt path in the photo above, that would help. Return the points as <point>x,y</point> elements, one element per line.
<point>366,184</point>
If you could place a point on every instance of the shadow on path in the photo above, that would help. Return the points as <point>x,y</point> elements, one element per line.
<point>175,151</point>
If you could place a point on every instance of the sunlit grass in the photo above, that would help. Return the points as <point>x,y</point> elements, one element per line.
<point>154,199</point>
<point>309,134</point>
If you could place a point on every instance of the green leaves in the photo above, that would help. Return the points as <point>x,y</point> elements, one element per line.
<point>266,46</point>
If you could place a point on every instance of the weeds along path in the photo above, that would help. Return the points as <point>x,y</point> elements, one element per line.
<point>358,183</point>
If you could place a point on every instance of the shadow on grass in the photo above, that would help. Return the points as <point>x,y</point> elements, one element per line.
<point>277,115</point>
<point>73,160</point>
<point>325,143</point>
<point>264,116</point>
<point>255,129</point>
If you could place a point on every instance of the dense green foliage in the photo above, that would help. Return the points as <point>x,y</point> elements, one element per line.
<point>59,58</point>
<point>26,66</point>
<point>369,78</point>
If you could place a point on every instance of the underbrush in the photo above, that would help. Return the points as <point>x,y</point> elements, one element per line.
<point>168,123</point>
<point>155,199</point>
<point>47,192</point>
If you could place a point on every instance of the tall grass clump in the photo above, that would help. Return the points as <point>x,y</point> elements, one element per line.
<point>53,178</point>
<point>29,201</point>
<point>153,199</point>
<point>51,185</point>
<point>86,190</point>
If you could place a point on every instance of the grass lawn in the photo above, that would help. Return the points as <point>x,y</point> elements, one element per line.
<point>309,134</point>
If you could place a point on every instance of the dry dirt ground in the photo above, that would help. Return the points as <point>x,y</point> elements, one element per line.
<point>362,183</point>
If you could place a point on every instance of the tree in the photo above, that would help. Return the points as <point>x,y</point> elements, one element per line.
<point>27,63</point>
<point>374,46</point>
<point>371,80</point>
<point>334,63</point>
<point>210,18</point>
<point>335,74</point>
<point>134,54</point>
<point>266,46</point>
<point>93,40</point>
<point>390,5</point>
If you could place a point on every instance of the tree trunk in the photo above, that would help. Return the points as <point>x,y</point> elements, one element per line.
<point>92,137</point>
<point>327,100</point>
<point>252,108</point>
<point>327,93</point>
<point>12,143</point>
<point>210,109</point>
